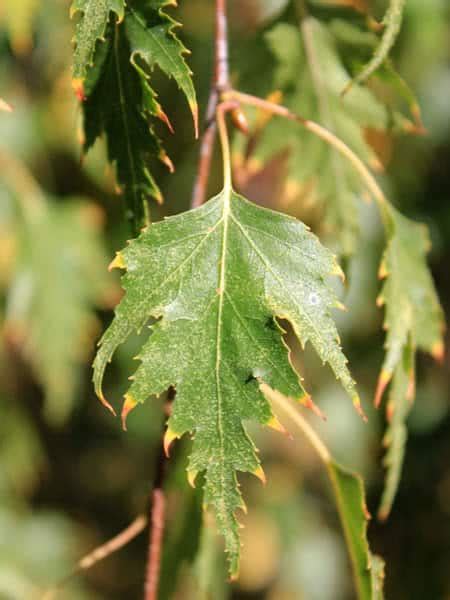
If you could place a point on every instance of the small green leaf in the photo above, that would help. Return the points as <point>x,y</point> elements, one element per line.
<point>368,569</point>
<point>414,320</point>
<point>392,22</point>
<point>216,279</point>
<point>91,27</point>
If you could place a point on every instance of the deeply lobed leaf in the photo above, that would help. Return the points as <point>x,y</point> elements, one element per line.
<point>215,280</point>
<point>414,320</point>
<point>114,80</point>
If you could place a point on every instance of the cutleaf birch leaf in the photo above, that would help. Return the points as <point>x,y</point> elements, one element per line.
<point>151,35</point>
<point>114,79</point>
<point>414,321</point>
<point>120,106</point>
<point>216,280</point>
<point>93,17</point>
<point>311,76</point>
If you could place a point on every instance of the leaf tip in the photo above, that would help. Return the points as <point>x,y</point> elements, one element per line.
<point>274,423</point>
<point>169,437</point>
<point>359,409</point>
<point>78,88</point>
<point>191,477</point>
<point>5,106</point>
<point>105,403</point>
<point>259,473</point>
<point>117,263</point>
<point>308,402</point>
<point>438,351</point>
<point>383,381</point>
<point>129,404</point>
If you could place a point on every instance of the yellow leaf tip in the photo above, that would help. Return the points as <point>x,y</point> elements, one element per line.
<point>259,473</point>
<point>106,404</point>
<point>5,106</point>
<point>129,404</point>
<point>191,477</point>
<point>78,88</point>
<point>275,424</point>
<point>438,351</point>
<point>359,409</point>
<point>383,381</point>
<point>169,438</point>
<point>117,263</point>
<point>308,402</point>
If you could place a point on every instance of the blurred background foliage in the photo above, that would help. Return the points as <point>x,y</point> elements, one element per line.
<point>69,477</point>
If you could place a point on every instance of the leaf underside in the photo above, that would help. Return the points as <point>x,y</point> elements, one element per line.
<point>216,280</point>
<point>117,46</point>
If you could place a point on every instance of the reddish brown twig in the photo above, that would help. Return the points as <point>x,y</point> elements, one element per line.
<point>100,553</point>
<point>156,538</point>
<point>220,83</point>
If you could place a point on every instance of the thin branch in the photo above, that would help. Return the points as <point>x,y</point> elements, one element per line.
<point>100,553</point>
<point>220,83</point>
<point>206,152</point>
<point>156,538</point>
<point>320,132</point>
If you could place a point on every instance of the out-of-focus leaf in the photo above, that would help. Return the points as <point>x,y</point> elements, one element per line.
<point>414,320</point>
<point>349,494</point>
<point>18,17</point>
<point>22,454</point>
<point>311,75</point>
<point>350,497</point>
<point>392,22</point>
<point>35,551</point>
<point>216,278</point>
<point>60,277</point>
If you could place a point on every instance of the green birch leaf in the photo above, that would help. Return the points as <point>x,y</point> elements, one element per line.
<point>118,104</point>
<point>414,321</point>
<point>93,17</point>
<point>119,99</point>
<point>392,22</point>
<point>311,76</point>
<point>216,280</point>
<point>368,569</point>
<point>59,280</point>
<point>152,39</point>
